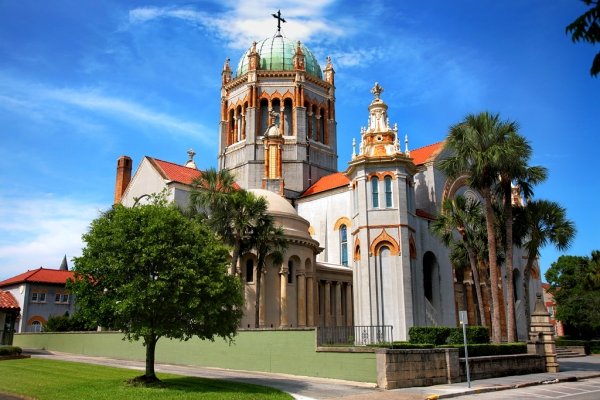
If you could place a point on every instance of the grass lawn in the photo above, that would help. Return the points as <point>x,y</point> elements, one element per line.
<point>57,380</point>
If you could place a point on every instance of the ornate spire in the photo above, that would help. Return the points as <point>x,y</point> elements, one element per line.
<point>226,74</point>
<point>63,265</point>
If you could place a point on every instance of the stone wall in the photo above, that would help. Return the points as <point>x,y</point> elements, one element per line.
<point>407,368</point>
<point>493,366</point>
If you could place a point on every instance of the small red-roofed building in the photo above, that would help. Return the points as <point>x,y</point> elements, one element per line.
<point>39,294</point>
<point>9,312</point>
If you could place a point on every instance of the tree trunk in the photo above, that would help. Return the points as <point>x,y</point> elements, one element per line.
<point>510,295</point>
<point>150,343</point>
<point>235,256</point>
<point>493,263</point>
<point>258,289</point>
<point>475,273</point>
<point>526,275</point>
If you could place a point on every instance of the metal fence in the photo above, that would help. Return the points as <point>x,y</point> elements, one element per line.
<point>354,335</point>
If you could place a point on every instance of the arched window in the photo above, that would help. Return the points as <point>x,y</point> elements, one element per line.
<point>36,326</point>
<point>388,191</point>
<point>344,245</point>
<point>249,270</point>
<point>375,191</point>
<point>290,276</point>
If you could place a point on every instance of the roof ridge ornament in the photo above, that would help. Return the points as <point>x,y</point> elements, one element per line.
<point>377,90</point>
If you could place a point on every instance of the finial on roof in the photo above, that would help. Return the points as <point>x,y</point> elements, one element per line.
<point>63,265</point>
<point>406,151</point>
<point>190,162</point>
<point>353,148</point>
<point>377,90</point>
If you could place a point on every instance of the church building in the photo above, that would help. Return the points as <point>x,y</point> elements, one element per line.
<point>360,251</point>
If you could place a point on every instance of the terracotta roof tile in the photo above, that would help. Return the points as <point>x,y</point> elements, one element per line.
<point>175,172</point>
<point>327,182</point>
<point>8,302</point>
<point>423,154</point>
<point>40,275</point>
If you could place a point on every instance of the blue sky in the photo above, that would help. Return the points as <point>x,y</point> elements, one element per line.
<point>83,82</point>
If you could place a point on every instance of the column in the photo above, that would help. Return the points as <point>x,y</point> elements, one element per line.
<point>243,125</point>
<point>263,300</point>
<point>338,303</point>
<point>349,308</point>
<point>301,298</point>
<point>327,311</point>
<point>282,118</point>
<point>283,311</point>
<point>310,298</point>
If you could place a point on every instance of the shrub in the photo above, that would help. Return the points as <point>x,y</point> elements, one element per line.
<point>595,346</point>
<point>436,335</point>
<point>439,335</point>
<point>480,350</point>
<point>67,324</point>
<point>475,335</point>
<point>10,351</point>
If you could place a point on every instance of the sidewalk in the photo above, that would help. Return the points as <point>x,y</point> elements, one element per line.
<point>307,388</point>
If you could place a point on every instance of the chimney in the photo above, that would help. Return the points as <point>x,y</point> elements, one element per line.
<point>123,177</point>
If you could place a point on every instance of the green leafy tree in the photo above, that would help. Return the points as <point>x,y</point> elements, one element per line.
<point>150,272</point>
<point>539,223</point>
<point>269,242</point>
<point>577,296</point>
<point>587,28</point>
<point>479,146</point>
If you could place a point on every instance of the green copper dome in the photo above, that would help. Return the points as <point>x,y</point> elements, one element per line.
<point>276,54</point>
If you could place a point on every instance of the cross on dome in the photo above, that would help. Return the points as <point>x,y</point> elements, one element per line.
<point>279,21</point>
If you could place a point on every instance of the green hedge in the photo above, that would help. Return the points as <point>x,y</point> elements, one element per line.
<point>402,345</point>
<point>10,351</point>
<point>436,335</point>
<point>440,335</point>
<point>480,350</point>
<point>595,346</point>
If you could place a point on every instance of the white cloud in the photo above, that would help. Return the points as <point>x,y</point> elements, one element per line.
<point>39,231</point>
<point>45,103</point>
<point>241,23</point>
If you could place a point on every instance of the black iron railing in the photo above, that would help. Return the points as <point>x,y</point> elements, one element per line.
<point>354,335</point>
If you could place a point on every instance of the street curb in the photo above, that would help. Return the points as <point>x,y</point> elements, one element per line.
<point>508,387</point>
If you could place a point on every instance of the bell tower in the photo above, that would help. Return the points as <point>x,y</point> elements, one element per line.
<point>278,87</point>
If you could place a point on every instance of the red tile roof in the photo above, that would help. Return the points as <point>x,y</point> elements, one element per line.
<point>328,182</point>
<point>175,172</point>
<point>423,154</point>
<point>338,179</point>
<point>8,302</point>
<point>40,275</point>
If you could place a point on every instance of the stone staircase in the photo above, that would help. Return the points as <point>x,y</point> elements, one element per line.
<point>570,351</point>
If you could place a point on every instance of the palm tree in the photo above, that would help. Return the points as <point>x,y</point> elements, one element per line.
<point>209,194</point>
<point>231,212</point>
<point>245,212</point>
<point>463,216</point>
<point>539,223</point>
<point>269,241</point>
<point>478,146</point>
<point>515,173</point>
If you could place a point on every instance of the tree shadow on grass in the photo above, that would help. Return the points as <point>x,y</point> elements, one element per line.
<point>204,385</point>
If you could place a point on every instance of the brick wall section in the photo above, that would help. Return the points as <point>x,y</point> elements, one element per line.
<point>494,366</point>
<point>407,368</point>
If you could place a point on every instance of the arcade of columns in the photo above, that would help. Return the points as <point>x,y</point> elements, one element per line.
<point>333,300</point>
